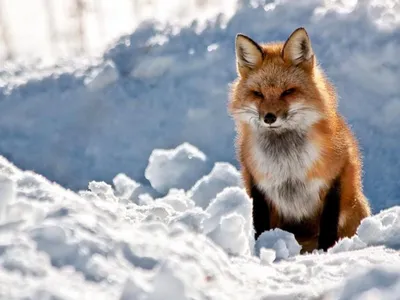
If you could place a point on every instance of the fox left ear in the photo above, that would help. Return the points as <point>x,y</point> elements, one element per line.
<point>249,54</point>
<point>297,48</point>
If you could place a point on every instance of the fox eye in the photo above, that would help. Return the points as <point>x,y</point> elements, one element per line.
<point>258,94</point>
<point>288,92</point>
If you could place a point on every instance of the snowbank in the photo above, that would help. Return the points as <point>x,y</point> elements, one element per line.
<point>102,243</point>
<point>158,88</point>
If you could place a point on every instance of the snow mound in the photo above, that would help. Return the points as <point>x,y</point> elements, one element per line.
<point>381,229</point>
<point>175,168</point>
<point>125,187</point>
<point>282,242</point>
<point>229,222</point>
<point>221,176</point>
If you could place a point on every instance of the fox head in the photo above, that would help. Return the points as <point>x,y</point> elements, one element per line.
<point>279,87</point>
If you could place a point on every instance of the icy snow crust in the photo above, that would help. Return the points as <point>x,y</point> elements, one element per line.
<point>119,242</point>
<point>159,88</point>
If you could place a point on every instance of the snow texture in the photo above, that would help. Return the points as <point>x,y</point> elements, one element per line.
<point>229,221</point>
<point>156,209</point>
<point>282,242</point>
<point>175,168</point>
<point>221,176</point>
<point>99,244</point>
<point>162,86</point>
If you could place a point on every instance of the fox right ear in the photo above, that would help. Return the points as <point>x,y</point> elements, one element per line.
<point>249,54</point>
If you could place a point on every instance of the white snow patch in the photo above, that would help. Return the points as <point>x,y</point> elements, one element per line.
<point>175,168</point>
<point>178,200</point>
<point>229,221</point>
<point>221,176</point>
<point>380,229</point>
<point>377,282</point>
<point>267,256</point>
<point>7,196</point>
<point>125,186</point>
<point>282,242</point>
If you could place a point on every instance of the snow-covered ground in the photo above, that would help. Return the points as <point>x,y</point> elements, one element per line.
<point>118,242</point>
<point>142,138</point>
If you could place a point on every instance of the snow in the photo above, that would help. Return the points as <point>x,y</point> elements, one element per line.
<point>221,176</point>
<point>267,256</point>
<point>45,32</point>
<point>282,242</point>
<point>104,243</point>
<point>379,282</point>
<point>175,168</point>
<point>101,77</point>
<point>229,221</point>
<point>140,196</point>
<point>164,85</point>
<point>382,229</point>
<point>7,195</point>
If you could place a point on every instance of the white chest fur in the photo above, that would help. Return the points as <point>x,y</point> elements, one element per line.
<point>284,166</point>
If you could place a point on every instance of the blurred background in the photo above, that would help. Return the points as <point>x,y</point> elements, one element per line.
<point>50,30</point>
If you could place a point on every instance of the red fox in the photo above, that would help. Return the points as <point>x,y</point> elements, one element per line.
<point>300,161</point>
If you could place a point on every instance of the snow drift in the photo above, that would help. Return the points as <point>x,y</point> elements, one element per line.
<point>161,87</point>
<point>104,243</point>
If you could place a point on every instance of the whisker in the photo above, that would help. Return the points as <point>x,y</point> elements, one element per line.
<point>250,108</point>
<point>246,111</point>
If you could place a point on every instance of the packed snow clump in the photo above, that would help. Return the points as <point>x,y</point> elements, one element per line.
<point>282,242</point>
<point>221,176</point>
<point>175,168</point>
<point>178,200</point>
<point>229,221</point>
<point>377,230</point>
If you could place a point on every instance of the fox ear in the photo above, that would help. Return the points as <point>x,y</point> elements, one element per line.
<point>249,54</point>
<point>297,48</point>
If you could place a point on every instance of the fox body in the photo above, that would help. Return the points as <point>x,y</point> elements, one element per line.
<point>299,160</point>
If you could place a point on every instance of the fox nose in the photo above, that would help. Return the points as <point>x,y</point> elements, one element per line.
<point>269,118</point>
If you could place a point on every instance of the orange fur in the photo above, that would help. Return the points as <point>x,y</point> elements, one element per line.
<point>270,74</point>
